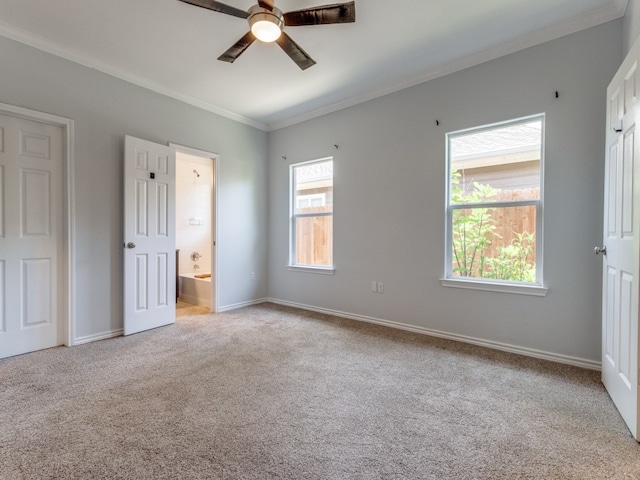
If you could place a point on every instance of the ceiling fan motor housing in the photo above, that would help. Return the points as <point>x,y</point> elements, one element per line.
<point>258,14</point>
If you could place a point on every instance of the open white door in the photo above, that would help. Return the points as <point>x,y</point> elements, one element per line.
<point>149,235</point>
<point>621,250</point>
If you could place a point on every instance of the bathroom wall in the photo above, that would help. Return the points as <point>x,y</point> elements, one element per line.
<point>194,212</point>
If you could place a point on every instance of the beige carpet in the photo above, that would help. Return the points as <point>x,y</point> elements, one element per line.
<point>270,392</point>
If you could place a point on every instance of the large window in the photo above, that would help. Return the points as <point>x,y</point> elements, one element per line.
<point>311,243</point>
<point>494,204</point>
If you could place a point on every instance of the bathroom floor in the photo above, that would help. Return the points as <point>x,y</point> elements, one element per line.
<point>184,309</point>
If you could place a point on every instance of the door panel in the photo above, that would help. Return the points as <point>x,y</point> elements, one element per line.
<point>626,322</point>
<point>609,317</point>
<point>163,279</point>
<point>142,303</point>
<point>141,208</point>
<point>31,235</point>
<point>163,210</point>
<point>627,182</point>
<point>36,210</point>
<point>149,283</point>
<point>612,190</point>
<point>36,292</point>
<point>614,108</point>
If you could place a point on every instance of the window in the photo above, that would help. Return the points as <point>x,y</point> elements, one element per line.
<point>311,243</point>
<point>494,207</point>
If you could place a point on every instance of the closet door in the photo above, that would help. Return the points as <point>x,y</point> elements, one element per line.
<point>31,235</point>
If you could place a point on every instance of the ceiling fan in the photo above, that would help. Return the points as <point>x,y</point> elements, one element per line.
<point>267,23</point>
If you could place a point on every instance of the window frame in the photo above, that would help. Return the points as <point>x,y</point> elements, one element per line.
<point>310,197</point>
<point>293,216</point>
<point>506,286</point>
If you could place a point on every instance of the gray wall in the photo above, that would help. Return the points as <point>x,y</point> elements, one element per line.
<point>105,110</point>
<point>389,198</point>
<point>631,29</point>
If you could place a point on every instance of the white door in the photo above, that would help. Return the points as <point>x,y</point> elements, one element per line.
<point>621,267</point>
<point>149,235</point>
<point>31,235</point>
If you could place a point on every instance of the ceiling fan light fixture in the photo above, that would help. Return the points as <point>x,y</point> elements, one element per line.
<point>266,31</point>
<point>266,25</point>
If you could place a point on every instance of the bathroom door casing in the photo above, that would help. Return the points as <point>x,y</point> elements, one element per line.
<point>149,235</point>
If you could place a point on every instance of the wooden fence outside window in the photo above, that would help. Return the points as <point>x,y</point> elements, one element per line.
<point>314,237</point>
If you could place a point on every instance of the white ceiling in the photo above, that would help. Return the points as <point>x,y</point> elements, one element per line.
<point>171,47</point>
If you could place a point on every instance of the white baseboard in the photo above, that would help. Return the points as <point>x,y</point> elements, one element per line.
<point>235,306</point>
<point>99,336</point>
<point>528,352</point>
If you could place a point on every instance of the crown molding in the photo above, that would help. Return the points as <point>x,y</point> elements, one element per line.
<point>591,19</point>
<point>39,43</point>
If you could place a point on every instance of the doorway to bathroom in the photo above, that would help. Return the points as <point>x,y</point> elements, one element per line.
<point>196,265</point>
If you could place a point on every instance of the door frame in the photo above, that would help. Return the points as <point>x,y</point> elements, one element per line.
<point>215,158</point>
<point>67,263</point>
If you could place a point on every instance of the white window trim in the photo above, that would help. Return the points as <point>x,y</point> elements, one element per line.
<point>312,269</point>
<point>310,197</point>
<point>496,286</point>
<point>537,288</point>
<point>292,266</point>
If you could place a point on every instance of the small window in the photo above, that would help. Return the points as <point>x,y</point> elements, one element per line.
<point>494,203</point>
<point>312,215</point>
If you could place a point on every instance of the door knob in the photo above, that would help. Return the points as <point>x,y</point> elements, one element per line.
<point>602,250</point>
<point>131,245</point>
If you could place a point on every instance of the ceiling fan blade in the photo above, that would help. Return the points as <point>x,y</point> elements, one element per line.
<point>218,7</point>
<point>238,48</point>
<point>297,54</point>
<point>268,4</point>
<point>323,15</point>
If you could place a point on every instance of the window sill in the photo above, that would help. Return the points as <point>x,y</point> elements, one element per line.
<point>517,288</point>
<point>312,269</point>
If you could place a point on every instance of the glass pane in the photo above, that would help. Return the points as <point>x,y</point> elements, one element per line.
<point>314,240</point>
<point>498,164</point>
<point>496,243</point>
<point>314,188</point>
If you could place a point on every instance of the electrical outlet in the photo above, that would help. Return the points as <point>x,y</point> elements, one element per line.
<point>374,287</point>
<point>253,275</point>
<point>380,287</point>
